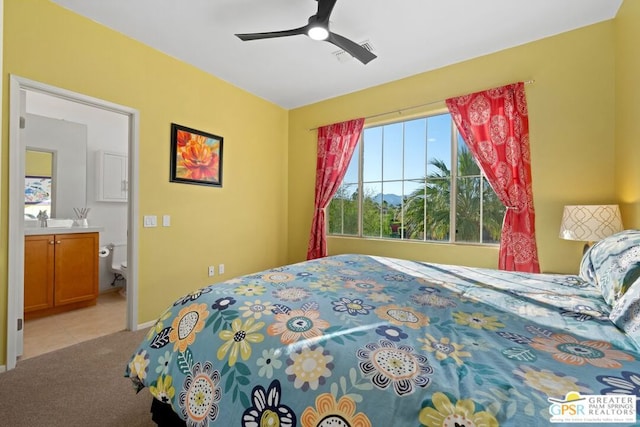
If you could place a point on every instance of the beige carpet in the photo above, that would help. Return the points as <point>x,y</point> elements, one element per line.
<point>81,385</point>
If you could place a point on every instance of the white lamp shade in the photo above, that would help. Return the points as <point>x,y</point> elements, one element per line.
<point>590,223</point>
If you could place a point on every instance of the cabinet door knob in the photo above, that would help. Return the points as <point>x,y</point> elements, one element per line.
<point>58,242</point>
<point>51,242</point>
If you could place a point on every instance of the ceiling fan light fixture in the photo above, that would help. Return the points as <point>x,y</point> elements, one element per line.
<point>318,33</point>
<point>317,28</point>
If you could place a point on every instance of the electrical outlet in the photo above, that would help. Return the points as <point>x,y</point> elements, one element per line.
<point>221,269</point>
<point>212,271</point>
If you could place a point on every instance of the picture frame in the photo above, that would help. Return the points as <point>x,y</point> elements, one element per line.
<point>196,156</point>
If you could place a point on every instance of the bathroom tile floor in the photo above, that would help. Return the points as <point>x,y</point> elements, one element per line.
<point>62,330</point>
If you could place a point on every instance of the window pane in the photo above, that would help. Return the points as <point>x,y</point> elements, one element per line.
<point>438,207</point>
<point>439,144</point>
<point>468,209</point>
<point>467,165</point>
<point>334,221</point>
<point>391,212</point>
<point>492,215</point>
<point>352,171</point>
<point>372,210</point>
<point>415,149</point>
<point>372,160</point>
<point>395,221</point>
<point>413,215</point>
<point>392,191</point>
<point>343,211</point>
<point>392,152</point>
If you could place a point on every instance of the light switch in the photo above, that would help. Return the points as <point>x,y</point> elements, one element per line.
<point>150,221</point>
<point>166,220</point>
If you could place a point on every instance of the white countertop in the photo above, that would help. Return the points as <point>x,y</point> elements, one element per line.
<point>33,231</point>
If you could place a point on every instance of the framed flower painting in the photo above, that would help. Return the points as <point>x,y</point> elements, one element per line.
<point>196,156</point>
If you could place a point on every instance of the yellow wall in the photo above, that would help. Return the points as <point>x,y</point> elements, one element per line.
<point>38,163</point>
<point>571,118</point>
<point>242,225</point>
<point>628,111</point>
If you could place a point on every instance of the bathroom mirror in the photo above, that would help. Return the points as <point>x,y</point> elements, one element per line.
<point>38,189</point>
<point>60,145</point>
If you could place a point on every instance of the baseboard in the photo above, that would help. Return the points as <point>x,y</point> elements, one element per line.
<point>3,368</point>
<point>146,325</point>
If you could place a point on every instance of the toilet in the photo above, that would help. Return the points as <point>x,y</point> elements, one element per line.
<point>117,263</point>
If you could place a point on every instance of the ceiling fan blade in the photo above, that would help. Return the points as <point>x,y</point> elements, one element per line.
<point>325,7</point>
<point>357,51</point>
<point>273,34</point>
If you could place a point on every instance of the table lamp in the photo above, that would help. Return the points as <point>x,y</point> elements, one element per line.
<point>590,223</point>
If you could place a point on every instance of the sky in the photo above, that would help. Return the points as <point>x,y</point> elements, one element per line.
<point>386,142</point>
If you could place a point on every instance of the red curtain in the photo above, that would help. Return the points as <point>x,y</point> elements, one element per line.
<point>495,126</point>
<point>336,144</point>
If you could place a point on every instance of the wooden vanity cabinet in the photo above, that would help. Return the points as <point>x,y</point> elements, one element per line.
<point>38,272</point>
<point>60,273</point>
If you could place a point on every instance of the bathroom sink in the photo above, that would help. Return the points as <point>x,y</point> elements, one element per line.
<point>59,223</point>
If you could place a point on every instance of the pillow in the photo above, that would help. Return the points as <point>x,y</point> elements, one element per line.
<point>587,272</point>
<point>613,264</point>
<point>626,312</point>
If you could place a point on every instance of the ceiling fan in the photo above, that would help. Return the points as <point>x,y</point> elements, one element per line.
<point>318,29</point>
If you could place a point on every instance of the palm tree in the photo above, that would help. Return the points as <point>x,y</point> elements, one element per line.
<point>432,219</point>
<point>468,197</point>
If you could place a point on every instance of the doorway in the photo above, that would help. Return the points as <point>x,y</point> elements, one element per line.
<point>18,87</point>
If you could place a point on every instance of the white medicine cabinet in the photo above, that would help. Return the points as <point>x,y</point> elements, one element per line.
<point>112,181</point>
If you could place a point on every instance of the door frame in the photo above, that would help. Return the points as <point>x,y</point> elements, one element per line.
<point>15,292</point>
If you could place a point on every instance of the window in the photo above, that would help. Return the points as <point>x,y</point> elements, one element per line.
<point>416,180</point>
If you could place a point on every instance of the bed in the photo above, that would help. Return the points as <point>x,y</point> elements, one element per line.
<point>356,340</point>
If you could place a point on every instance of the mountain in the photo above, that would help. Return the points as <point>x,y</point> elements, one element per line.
<point>391,199</point>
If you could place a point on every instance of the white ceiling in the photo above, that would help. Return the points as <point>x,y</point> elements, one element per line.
<point>408,36</point>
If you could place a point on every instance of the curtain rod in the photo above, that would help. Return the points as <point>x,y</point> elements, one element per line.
<point>399,111</point>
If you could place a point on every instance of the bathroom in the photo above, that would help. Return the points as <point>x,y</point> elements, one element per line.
<point>93,178</point>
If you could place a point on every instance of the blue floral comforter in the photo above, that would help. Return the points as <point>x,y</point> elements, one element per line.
<point>354,340</point>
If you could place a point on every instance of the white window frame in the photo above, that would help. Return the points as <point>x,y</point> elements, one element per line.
<point>453,182</point>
